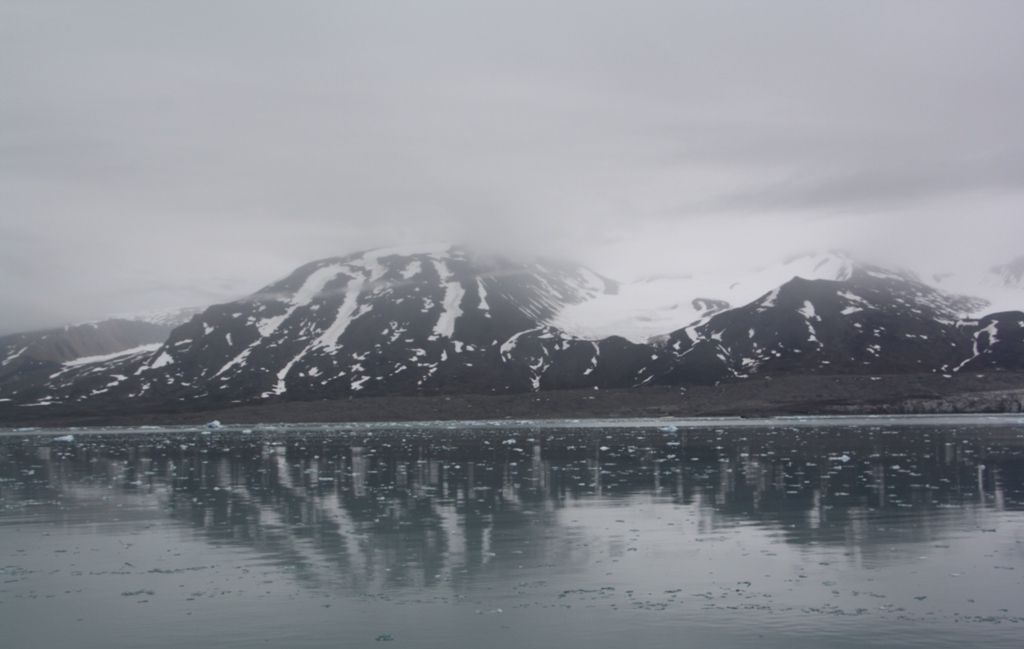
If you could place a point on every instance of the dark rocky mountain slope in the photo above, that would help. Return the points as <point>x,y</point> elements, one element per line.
<point>445,321</point>
<point>873,322</point>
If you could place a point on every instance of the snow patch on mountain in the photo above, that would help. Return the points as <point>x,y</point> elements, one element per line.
<point>453,294</point>
<point>642,310</point>
<point>314,284</point>
<point>11,357</point>
<point>1001,287</point>
<point>328,340</point>
<point>91,360</point>
<point>991,332</point>
<point>164,317</point>
<point>1010,274</point>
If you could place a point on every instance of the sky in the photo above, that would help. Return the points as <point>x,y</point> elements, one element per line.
<point>173,153</point>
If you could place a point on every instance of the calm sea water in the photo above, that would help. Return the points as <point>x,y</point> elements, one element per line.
<point>784,533</point>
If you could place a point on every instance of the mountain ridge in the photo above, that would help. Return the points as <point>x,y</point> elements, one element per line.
<point>442,320</point>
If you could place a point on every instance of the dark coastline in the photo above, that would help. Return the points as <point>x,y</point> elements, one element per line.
<point>794,395</point>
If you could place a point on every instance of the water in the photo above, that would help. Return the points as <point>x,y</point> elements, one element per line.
<point>782,533</point>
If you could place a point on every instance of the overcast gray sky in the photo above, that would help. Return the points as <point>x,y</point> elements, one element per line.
<point>169,153</point>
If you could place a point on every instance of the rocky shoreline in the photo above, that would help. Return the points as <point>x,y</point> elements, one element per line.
<point>996,392</point>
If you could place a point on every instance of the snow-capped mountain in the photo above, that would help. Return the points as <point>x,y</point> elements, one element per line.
<point>114,335</point>
<point>385,319</point>
<point>1001,286</point>
<point>1010,274</point>
<point>871,321</point>
<point>997,342</point>
<point>86,344</point>
<point>443,320</point>
<point>164,317</point>
<point>73,342</point>
<point>655,306</point>
<point>389,320</point>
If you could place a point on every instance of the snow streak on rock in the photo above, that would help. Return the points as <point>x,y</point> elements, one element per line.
<point>450,311</point>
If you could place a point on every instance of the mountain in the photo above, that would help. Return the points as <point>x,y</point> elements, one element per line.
<point>77,341</point>
<point>1010,274</point>
<point>29,358</point>
<point>654,306</point>
<point>443,320</point>
<point>872,321</point>
<point>169,318</point>
<point>97,338</point>
<point>383,321</point>
<point>1000,286</point>
<point>997,342</point>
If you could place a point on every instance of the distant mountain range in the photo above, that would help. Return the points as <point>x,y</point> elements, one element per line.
<point>442,320</point>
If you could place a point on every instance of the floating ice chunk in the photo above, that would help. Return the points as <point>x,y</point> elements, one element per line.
<point>64,438</point>
<point>214,424</point>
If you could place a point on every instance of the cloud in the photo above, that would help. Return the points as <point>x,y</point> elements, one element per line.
<point>150,148</point>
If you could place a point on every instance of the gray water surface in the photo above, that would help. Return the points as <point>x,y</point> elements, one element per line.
<point>785,533</point>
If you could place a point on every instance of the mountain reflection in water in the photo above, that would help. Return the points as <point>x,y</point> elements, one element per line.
<point>884,535</point>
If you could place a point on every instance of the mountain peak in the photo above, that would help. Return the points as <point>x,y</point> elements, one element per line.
<point>441,318</point>
<point>1011,273</point>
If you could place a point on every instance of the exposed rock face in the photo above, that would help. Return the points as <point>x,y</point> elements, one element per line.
<point>77,341</point>
<point>429,321</point>
<point>29,359</point>
<point>998,342</point>
<point>872,322</point>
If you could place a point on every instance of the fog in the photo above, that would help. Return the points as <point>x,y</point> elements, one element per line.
<point>171,153</point>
